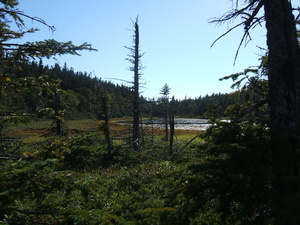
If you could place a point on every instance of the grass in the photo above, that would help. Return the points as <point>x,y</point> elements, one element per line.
<point>30,132</point>
<point>39,130</point>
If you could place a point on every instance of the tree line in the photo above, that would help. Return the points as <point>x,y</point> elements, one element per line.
<point>81,94</point>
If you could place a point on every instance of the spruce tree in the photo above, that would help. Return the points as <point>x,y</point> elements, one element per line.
<point>283,70</point>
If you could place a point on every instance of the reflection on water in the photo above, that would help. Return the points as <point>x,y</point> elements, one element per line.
<point>180,123</point>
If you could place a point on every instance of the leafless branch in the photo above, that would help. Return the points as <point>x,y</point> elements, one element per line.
<point>37,19</point>
<point>250,21</point>
<point>126,81</point>
<point>10,157</point>
<point>255,106</point>
<point>224,34</point>
<point>198,135</point>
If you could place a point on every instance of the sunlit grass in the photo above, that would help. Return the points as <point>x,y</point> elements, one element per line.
<point>30,132</point>
<point>35,131</point>
<point>33,124</point>
<point>83,125</point>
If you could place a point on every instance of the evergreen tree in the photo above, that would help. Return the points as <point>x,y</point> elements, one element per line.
<point>13,53</point>
<point>283,68</point>
<point>165,91</point>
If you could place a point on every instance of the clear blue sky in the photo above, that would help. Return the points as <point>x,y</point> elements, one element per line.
<point>175,36</point>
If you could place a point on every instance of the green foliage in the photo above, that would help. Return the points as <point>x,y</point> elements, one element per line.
<point>39,191</point>
<point>252,90</point>
<point>235,178</point>
<point>73,180</point>
<point>80,153</point>
<point>165,90</point>
<point>24,183</point>
<point>86,152</point>
<point>80,95</point>
<point>203,106</point>
<point>11,51</point>
<point>22,97</point>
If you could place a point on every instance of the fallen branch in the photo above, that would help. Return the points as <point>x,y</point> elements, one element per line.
<point>10,157</point>
<point>190,142</point>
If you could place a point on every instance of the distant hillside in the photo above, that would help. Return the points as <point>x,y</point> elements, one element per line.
<point>80,95</point>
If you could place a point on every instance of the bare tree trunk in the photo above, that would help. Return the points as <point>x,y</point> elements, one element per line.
<point>142,136</point>
<point>136,105</point>
<point>58,119</point>
<point>152,123</point>
<point>134,58</point>
<point>108,141</point>
<point>283,66</point>
<point>166,119</point>
<point>284,103</point>
<point>284,99</point>
<point>105,127</point>
<point>172,126</point>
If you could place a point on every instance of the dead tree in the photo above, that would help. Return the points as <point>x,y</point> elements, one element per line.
<point>134,58</point>
<point>58,113</point>
<point>105,106</point>
<point>172,125</point>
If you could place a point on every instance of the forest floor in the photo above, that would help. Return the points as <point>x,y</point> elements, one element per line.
<point>73,177</point>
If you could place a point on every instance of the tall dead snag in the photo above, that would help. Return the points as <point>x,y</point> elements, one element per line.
<point>172,125</point>
<point>134,58</point>
<point>58,114</point>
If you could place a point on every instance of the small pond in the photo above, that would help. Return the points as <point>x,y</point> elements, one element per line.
<point>180,123</point>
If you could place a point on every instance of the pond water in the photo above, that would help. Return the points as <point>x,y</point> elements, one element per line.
<point>180,123</point>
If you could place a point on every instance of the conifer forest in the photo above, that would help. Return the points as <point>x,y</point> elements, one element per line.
<point>77,149</point>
